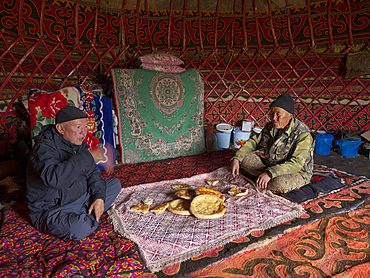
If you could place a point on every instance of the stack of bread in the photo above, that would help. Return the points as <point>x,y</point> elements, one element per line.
<point>201,202</point>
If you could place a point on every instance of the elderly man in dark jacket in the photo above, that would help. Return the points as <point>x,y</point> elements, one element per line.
<point>66,194</point>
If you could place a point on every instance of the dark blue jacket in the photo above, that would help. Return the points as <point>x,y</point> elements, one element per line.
<point>59,172</point>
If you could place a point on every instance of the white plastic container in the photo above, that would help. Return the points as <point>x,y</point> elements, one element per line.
<point>223,140</point>
<point>223,135</point>
<point>247,125</point>
<point>224,128</point>
<point>239,137</point>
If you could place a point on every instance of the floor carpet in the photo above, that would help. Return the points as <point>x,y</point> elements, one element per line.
<point>342,201</point>
<point>25,252</point>
<point>335,246</point>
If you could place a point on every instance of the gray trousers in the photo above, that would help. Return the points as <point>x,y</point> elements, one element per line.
<point>253,164</point>
<point>72,221</point>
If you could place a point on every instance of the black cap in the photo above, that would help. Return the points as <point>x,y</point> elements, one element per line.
<point>284,101</point>
<point>69,113</point>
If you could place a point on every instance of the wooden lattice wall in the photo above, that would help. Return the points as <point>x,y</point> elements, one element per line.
<point>240,79</point>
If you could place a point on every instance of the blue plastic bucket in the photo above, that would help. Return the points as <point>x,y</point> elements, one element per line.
<point>239,137</point>
<point>323,143</point>
<point>348,148</point>
<point>223,140</point>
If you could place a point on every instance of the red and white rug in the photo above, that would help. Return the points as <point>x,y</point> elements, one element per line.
<point>169,238</point>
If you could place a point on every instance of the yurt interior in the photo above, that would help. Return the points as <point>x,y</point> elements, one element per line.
<point>171,90</point>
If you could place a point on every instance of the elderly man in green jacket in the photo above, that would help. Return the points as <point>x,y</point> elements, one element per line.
<point>287,144</point>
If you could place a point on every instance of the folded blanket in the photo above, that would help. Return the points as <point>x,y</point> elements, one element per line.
<point>312,190</point>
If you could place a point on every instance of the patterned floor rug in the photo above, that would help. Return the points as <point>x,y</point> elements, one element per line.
<point>335,246</point>
<point>168,238</point>
<point>344,200</point>
<point>25,252</point>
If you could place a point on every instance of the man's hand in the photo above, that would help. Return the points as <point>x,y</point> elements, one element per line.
<point>235,167</point>
<point>98,208</point>
<point>263,179</point>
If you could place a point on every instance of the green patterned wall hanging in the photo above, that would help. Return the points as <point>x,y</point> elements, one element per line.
<point>160,115</point>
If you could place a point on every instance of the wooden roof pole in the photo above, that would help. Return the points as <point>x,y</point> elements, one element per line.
<point>96,21</point>
<point>184,26</point>
<point>148,26</point>
<point>257,24</point>
<point>287,11</point>
<point>137,24</point>
<point>309,18</point>
<point>200,27</point>
<point>216,24</point>
<point>123,24</point>
<point>272,25</point>
<point>349,23</point>
<point>42,12</point>
<point>169,26</point>
<point>244,25</point>
<point>76,22</point>
<point>330,26</point>
<point>232,27</point>
<point>20,17</point>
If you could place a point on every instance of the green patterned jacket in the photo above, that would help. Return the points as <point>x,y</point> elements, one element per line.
<point>292,152</point>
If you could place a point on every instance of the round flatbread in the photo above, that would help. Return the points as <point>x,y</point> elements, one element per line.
<point>206,190</point>
<point>179,206</point>
<point>207,206</point>
<point>186,194</point>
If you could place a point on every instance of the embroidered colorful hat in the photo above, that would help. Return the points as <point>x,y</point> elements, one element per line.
<point>284,101</point>
<point>69,113</point>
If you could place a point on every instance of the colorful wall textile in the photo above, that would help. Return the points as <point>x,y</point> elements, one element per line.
<point>160,115</point>
<point>43,107</point>
<point>73,21</point>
